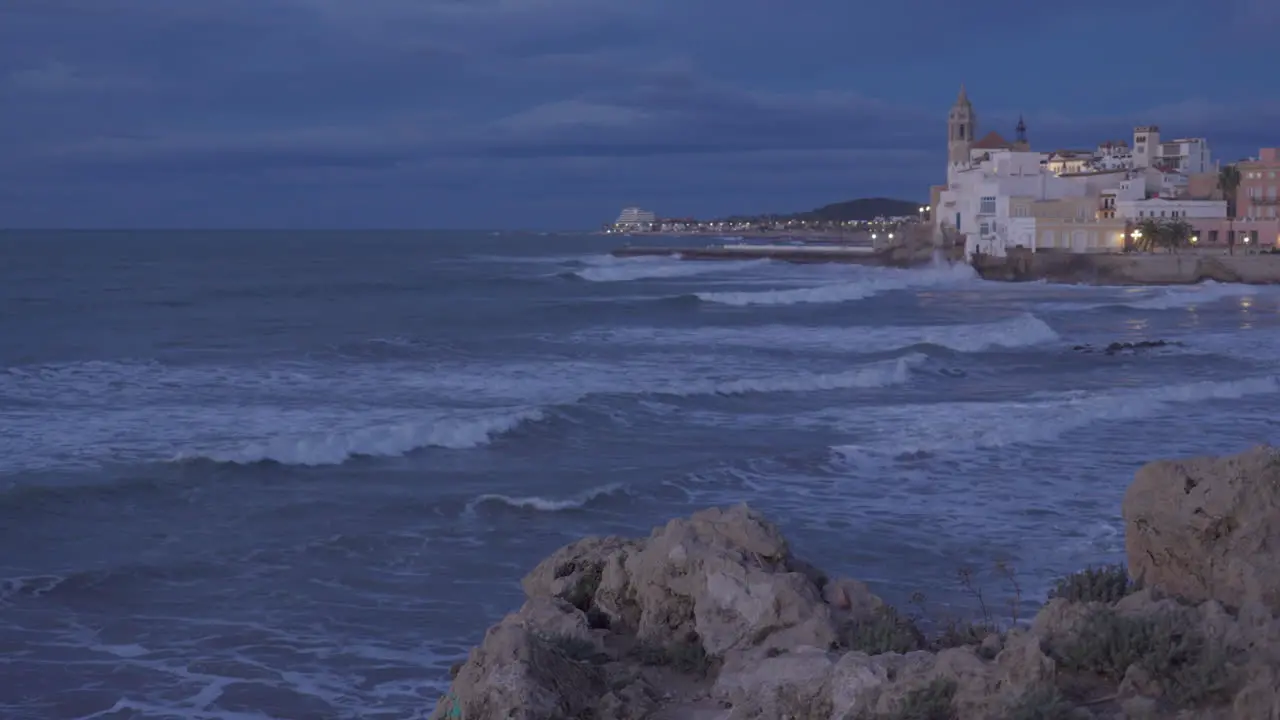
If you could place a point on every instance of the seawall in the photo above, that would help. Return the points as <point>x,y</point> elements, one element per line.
<point>1131,268</point>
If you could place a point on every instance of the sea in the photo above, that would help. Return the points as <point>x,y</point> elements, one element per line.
<point>285,475</point>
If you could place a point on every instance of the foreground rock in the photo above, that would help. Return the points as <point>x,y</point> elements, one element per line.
<point>712,618</point>
<point>1208,528</point>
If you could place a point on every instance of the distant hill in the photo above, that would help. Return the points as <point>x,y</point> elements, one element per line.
<point>860,209</point>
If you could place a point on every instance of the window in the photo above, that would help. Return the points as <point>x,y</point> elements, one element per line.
<point>984,229</point>
<point>988,206</point>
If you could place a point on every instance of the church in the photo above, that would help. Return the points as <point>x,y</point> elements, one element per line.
<point>963,151</point>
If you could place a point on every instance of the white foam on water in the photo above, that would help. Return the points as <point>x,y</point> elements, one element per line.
<point>541,504</point>
<point>1022,331</point>
<point>868,284</point>
<point>613,269</point>
<point>1179,297</point>
<point>960,427</point>
<point>84,415</point>
<point>386,440</point>
<point>894,372</point>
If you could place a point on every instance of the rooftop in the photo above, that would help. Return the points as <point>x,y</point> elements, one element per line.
<point>992,141</point>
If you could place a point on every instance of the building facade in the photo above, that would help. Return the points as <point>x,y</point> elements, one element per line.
<point>1159,208</point>
<point>1258,196</point>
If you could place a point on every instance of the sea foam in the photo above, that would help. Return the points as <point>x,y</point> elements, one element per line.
<point>868,285</point>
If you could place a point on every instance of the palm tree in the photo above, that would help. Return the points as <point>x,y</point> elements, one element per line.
<point>1228,182</point>
<point>1177,233</point>
<point>1149,236</point>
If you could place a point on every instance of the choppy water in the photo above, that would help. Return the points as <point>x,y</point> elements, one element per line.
<point>297,475</point>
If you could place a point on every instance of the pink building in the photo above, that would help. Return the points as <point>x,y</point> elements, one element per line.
<point>1245,232</point>
<point>1259,193</point>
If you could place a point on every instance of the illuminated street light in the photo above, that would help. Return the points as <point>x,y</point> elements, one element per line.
<point>1195,239</point>
<point>873,236</point>
<point>890,236</point>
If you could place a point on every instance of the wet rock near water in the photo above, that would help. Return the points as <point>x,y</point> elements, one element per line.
<point>1126,347</point>
<point>712,617</point>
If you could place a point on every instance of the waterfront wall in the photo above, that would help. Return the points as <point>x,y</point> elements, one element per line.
<point>1131,268</point>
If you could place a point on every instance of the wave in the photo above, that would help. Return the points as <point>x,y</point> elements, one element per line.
<point>895,372</point>
<point>393,440</point>
<point>952,427</point>
<point>1022,331</point>
<point>877,282</point>
<point>541,504</point>
<point>612,269</point>
<point>1173,298</point>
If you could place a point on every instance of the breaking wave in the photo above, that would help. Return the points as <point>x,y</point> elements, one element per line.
<point>952,427</point>
<point>1022,331</point>
<point>612,269</point>
<point>333,448</point>
<point>874,283</point>
<point>895,372</point>
<point>1172,298</point>
<point>541,504</point>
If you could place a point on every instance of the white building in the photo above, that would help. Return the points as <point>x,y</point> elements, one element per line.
<point>1186,156</point>
<point>635,216</point>
<point>1166,209</point>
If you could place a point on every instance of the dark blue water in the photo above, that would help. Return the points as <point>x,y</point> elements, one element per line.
<point>249,475</point>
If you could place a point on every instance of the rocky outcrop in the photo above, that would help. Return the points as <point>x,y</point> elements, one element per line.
<point>1118,348</point>
<point>1208,528</point>
<point>712,617</point>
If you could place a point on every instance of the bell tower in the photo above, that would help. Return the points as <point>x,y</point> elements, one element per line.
<point>961,127</point>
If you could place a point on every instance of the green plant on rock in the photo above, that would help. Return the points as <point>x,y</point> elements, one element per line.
<point>935,701</point>
<point>883,631</point>
<point>1189,669</point>
<point>1107,584</point>
<point>960,633</point>
<point>1043,702</point>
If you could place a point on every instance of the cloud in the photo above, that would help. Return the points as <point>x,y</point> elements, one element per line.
<point>488,111</point>
<point>57,77</point>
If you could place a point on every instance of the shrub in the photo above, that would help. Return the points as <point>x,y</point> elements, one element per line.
<point>1107,584</point>
<point>883,631</point>
<point>574,648</point>
<point>959,633</point>
<point>1043,702</point>
<point>1169,647</point>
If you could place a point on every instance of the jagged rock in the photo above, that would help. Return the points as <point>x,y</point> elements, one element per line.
<point>723,574</point>
<point>712,618</point>
<point>1208,528</point>
<point>516,674</point>
<point>1260,696</point>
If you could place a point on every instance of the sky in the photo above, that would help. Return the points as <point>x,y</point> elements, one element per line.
<point>554,114</point>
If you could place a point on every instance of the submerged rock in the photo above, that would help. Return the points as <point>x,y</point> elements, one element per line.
<point>711,617</point>
<point>1126,347</point>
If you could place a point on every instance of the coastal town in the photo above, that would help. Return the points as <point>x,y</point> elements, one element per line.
<point>1142,193</point>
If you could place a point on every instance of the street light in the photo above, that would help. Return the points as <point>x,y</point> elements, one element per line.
<point>873,236</point>
<point>890,236</point>
<point>1195,239</point>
